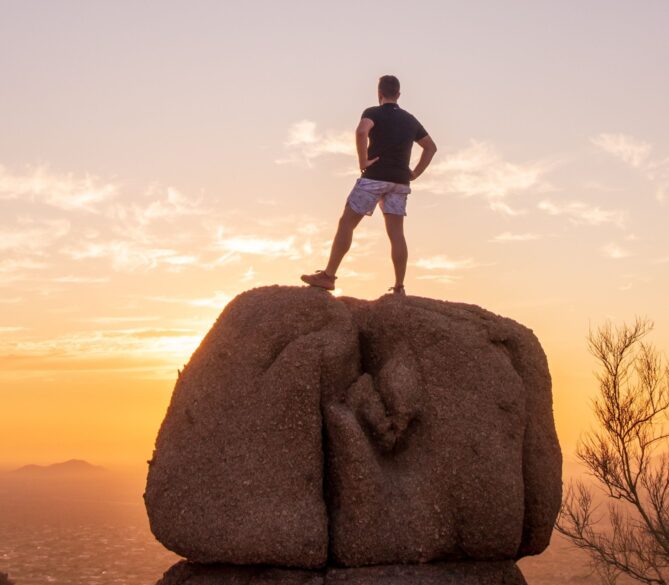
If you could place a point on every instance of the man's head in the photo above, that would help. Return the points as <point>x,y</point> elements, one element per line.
<point>389,88</point>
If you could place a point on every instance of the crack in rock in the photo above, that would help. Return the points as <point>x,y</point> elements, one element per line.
<point>308,430</point>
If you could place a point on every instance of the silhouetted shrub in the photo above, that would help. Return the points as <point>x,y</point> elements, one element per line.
<point>628,455</point>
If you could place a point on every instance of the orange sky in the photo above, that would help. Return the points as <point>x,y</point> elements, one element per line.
<point>155,163</point>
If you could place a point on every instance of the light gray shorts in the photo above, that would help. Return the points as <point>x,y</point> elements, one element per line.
<point>392,197</point>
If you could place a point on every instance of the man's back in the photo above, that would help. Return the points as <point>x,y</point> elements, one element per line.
<point>391,138</point>
<point>383,141</point>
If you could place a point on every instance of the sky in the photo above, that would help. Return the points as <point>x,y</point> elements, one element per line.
<point>159,158</point>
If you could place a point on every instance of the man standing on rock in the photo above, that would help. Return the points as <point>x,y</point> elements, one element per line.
<point>383,138</point>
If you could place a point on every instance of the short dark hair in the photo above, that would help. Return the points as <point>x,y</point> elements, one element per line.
<point>389,86</point>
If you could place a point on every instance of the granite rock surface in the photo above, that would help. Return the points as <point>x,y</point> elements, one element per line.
<point>237,472</point>
<point>456,573</point>
<point>309,430</point>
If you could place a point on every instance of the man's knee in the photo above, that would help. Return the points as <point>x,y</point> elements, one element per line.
<point>398,245</point>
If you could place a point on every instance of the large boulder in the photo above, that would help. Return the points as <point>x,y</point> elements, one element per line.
<point>308,430</point>
<point>237,472</point>
<point>444,447</point>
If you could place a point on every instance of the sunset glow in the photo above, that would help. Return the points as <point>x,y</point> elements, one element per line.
<point>153,165</point>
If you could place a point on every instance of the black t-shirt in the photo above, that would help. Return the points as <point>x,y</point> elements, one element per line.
<point>391,139</point>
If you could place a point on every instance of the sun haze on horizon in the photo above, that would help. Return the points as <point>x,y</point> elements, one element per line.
<point>156,164</point>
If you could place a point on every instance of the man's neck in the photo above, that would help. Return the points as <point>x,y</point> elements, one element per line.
<point>387,101</point>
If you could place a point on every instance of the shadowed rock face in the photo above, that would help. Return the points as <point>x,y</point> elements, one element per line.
<point>478,573</point>
<point>185,573</point>
<point>237,473</point>
<point>308,429</point>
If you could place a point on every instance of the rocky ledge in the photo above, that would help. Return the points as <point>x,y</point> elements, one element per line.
<point>454,573</point>
<point>321,439</point>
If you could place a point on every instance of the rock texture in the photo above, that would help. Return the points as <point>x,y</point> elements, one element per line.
<point>185,573</point>
<point>458,573</point>
<point>455,573</point>
<point>444,447</point>
<point>237,473</point>
<point>308,430</point>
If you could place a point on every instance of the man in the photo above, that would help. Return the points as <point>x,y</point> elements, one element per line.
<point>384,138</point>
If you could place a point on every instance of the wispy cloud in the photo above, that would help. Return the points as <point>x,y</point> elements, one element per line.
<point>50,218</point>
<point>511,237</point>
<point>10,300</point>
<point>443,269</point>
<point>630,150</point>
<point>121,319</point>
<point>133,232</point>
<point>128,255</point>
<point>32,234</point>
<point>256,245</point>
<point>444,263</point>
<point>480,171</point>
<point>615,251</point>
<point>579,212</point>
<point>153,333</point>
<point>15,265</point>
<point>308,229</point>
<point>77,346</point>
<point>5,330</point>
<point>442,278</point>
<point>632,280</point>
<point>73,279</point>
<point>217,301</point>
<point>249,274</point>
<point>347,273</point>
<point>306,143</point>
<point>63,191</point>
<point>160,204</point>
<point>637,154</point>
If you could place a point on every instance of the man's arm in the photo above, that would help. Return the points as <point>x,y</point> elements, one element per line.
<point>429,148</point>
<point>361,142</point>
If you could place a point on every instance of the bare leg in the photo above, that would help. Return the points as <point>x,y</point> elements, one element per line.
<point>398,245</point>
<point>342,240</point>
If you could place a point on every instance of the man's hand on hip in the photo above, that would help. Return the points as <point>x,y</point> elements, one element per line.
<point>361,140</point>
<point>367,163</point>
<point>429,148</point>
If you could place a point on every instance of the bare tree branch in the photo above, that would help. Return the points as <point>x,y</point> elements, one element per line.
<point>622,455</point>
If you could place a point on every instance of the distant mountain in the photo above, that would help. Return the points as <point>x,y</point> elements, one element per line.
<point>64,468</point>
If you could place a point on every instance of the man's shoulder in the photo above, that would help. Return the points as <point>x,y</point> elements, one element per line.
<point>410,115</point>
<point>371,112</point>
<point>416,123</point>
